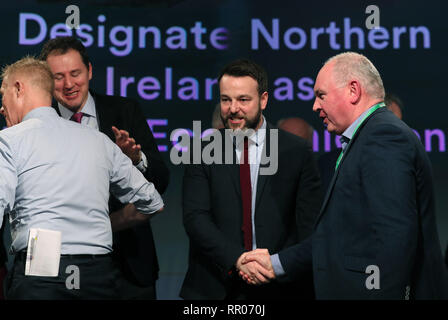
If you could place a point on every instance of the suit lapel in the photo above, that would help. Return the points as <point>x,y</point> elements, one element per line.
<point>233,169</point>
<point>330,188</point>
<point>54,104</point>
<point>234,172</point>
<point>104,117</point>
<point>262,179</point>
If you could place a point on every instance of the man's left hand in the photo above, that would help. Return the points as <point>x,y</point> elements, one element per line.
<point>127,145</point>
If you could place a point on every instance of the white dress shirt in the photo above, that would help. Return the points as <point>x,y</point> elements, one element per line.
<point>255,145</point>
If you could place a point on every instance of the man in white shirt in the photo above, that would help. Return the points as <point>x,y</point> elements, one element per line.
<point>53,178</point>
<point>122,120</point>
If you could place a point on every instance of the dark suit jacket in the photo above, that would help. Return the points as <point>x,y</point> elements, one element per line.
<point>327,164</point>
<point>379,210</point>
<point>133,248</point>
<point>287,204</point>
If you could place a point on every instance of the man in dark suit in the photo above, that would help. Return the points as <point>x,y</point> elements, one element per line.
<point>327,161</point>
<point>122,120</point>
<point>231,208</point>
<point>376,235</point>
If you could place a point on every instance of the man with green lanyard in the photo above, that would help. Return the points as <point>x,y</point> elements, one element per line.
<point>376,235</point>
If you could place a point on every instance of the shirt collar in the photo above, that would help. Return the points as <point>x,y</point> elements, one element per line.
<point>350,131</point>
<point>257,137</point>
<point>39,113</point>
<point>88,109</point>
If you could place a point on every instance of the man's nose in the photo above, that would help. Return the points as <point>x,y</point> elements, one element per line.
<point>68,82</point>
<point>234,107</point>
<point>316,106</point>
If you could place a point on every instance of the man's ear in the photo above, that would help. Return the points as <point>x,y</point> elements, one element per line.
<point>18,88</point>
<point>90,71</point>
<point>355,91</point>
<point>264,100</point>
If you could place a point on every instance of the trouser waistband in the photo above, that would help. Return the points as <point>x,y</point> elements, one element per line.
<point>21,255</point>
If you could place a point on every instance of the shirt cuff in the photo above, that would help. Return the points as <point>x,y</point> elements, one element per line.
<point>277,265</point>
<point>143,164</point>
<point>152,204</point>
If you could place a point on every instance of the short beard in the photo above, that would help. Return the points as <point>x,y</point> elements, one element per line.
<point>249,123</point>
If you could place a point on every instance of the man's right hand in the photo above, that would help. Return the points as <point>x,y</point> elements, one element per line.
<point>127,145</point>
<point>255,267</point>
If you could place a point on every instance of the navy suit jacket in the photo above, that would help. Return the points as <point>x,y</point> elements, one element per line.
<point>134,248</point>
<point>287,204</point>
<point>379,210</point>
<point>327,164</point>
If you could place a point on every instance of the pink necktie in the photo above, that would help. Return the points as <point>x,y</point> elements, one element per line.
<point>77,117</point>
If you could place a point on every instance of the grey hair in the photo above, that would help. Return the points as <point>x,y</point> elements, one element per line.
<point>349,65</point>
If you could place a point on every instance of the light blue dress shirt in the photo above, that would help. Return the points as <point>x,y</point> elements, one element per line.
<point>56,174</point>
<point>350,131</point>
<point>89,119</point>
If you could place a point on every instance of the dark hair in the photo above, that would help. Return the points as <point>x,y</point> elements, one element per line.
<point>243,68</point>
<point>61,45</point>
<point>390,97</point>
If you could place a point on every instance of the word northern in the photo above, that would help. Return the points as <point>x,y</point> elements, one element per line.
<point>269,35</point>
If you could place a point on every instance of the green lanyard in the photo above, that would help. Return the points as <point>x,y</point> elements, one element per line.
<point>372,110</point>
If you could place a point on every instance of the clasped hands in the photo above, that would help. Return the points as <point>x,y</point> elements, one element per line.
<point>255,267</point>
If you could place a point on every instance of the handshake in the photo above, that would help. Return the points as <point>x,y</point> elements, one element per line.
<point>255,267</point>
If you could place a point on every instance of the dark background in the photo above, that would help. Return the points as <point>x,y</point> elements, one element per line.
<point>417,75</point>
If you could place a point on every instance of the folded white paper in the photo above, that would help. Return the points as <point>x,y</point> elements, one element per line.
<point>43,253</point>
